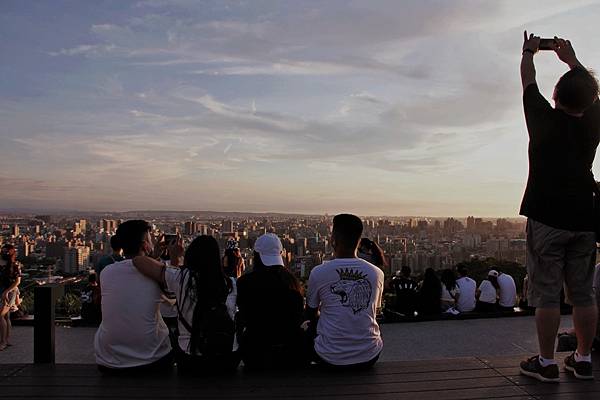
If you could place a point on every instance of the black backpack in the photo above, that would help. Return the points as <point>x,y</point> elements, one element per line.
<point>214,333</point>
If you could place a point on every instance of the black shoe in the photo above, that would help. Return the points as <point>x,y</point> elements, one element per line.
<point>532,368</point>
<point>581,369</point>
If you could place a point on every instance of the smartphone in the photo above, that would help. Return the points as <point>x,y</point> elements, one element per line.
<point>546,44</point>
<point>170,238</point>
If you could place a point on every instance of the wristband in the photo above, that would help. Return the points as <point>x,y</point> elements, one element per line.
<point>528,51</point>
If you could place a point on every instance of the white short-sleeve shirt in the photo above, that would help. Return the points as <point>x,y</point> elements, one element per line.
<point>487,292</point>
<point>466,300</point>
<point>508,291</point>
<point>348,292</point>
<point>132,332</point>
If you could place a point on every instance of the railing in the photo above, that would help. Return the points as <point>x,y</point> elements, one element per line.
<point>44,300</point>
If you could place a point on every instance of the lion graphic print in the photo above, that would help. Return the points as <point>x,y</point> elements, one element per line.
<point>353,288</point>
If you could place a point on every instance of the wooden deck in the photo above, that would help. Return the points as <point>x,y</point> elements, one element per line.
<point>465,378</point>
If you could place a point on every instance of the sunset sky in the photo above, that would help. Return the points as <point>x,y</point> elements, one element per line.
<point>372,107</point>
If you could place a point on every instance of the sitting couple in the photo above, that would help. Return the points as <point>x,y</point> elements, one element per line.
<point>270,330</point>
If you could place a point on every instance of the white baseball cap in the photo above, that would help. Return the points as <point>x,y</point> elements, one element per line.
<point>269,247</point>
<point>493,272</point>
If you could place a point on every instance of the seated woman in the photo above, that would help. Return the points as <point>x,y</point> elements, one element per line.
<point>205,303</point>
<point>271,309</point>
<point>430,294</point>
<point>487,294</point>
<point>450,291</point>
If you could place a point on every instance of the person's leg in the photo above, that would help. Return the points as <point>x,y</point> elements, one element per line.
<point>3,327</point>
<point>579,276</point>
<point>8,329</point>
<point>547,322</point>
<point>546,250</point>
<point>585,320</point>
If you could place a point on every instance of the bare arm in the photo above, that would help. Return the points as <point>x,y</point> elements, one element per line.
<point>565,52</point>
<point>531,45</point>
<point>151,268</point>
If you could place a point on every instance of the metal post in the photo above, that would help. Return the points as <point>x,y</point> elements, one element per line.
<point>43,332</point>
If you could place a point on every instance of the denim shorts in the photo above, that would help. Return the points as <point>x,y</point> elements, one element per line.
<point>557,258</point>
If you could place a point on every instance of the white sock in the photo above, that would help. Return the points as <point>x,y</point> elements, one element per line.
<point>580,358</point>
<point>546,361</point>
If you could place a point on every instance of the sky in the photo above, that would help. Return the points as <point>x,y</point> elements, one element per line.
<point>372,107</point>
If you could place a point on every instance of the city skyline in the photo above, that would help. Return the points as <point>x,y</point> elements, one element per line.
<point>375,108</point>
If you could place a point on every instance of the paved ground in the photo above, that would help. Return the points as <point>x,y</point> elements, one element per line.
<point>403,341</point>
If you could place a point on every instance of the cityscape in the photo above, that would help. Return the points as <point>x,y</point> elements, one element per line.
<point>56,247</point>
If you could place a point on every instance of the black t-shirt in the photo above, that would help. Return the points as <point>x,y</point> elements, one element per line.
<point>407,291</point>
<point>562,148</point>
<point>269,308</point>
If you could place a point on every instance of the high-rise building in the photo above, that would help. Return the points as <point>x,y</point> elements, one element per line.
<point>77,259</point>
<point>15,230</point>
<point>227,226</point>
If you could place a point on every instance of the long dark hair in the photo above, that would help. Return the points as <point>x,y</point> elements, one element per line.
<point>431,292</point>
<point>449,279</point>
<point>286,276</point>
<point>207,284</point>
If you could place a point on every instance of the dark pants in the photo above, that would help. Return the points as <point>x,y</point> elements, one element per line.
<point>260,354</point>
<point>485,307</point>
<point>163,365</point>
<point>189,365</point>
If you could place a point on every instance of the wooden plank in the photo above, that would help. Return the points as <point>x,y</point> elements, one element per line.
<point>111,387</point>
<point>243,380</point>
<point>179,393</point>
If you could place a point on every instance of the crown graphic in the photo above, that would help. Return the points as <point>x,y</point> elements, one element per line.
<point>350,274</point>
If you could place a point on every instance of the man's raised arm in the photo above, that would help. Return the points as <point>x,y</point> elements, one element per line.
<point>531,46</point>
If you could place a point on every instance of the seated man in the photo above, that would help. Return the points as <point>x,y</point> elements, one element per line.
<point>271,307</point>
<point>407,292</point>
<point>347,291</point>
<point>507,292</point>
<point>132,335</point>
<point>468,287</point>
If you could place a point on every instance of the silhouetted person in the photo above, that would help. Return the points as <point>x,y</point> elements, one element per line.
<point>559,206</point>
<point>271,311</point>
<point>450,291</point>
<point>430,294</point>
<point>115,256</point>
<point>407,292</point>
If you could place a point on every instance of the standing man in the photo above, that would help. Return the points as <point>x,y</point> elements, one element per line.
<point>558,204</point>
<point>347,291</point>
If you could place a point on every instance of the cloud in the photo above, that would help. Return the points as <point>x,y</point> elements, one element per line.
<point>84,49</point>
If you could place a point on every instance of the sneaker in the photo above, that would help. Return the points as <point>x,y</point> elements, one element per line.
<point>581,369</point>
<point>532,368</point>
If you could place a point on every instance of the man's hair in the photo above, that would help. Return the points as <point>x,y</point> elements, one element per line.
<point>576,90</point>
<point>114,243</point>
<point>406,271</point>
<point>130,234</point>
<point>462,270</point>
<point>347,230</point>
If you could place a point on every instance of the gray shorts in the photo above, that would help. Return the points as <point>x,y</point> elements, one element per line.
<point>557,258</point>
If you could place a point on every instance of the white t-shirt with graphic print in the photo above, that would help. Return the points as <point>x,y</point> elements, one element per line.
<point>348,292</point>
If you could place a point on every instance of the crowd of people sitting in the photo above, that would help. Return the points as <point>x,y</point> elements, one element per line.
<point>451,294</point>
<point>222,318</point>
